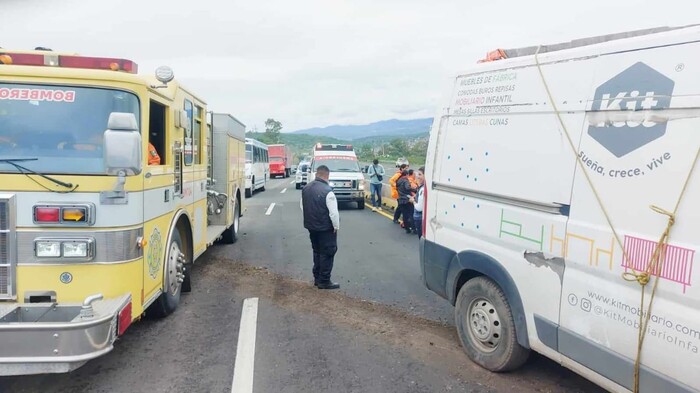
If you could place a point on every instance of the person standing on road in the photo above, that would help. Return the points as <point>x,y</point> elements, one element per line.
<point>322,220</point>
<point>376,175</point>
<point>403,186</point>
<point>395,192</point>
<point>418,201</point>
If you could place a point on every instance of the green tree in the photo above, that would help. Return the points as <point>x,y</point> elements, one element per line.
<point>273,130</point>
<point>397,147</point>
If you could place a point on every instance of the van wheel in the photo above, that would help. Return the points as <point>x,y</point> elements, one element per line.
<point>298,186</point>
<point>263,187</point>
<point>485,326</point>
<point>248,192</point>
<point>230,235</point>
<point>361,205</point>
<point>173,277</point>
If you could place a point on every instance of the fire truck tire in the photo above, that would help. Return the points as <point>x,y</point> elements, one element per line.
<point>230,235</point>
<point>169,300</point>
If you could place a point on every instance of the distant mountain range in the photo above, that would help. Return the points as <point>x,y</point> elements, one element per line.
<point>385,128</point>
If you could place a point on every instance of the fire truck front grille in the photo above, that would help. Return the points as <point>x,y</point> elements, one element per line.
<point>7,264</point>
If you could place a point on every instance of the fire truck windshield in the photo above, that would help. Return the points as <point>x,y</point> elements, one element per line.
<point>61,127</point>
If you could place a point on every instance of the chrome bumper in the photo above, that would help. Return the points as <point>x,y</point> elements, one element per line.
<point>40,338</point>
<point>348,195</point>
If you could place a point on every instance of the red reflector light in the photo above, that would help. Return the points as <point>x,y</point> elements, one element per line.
<point>124,319</point>
<point>47,214</point>
<point>98,63</point>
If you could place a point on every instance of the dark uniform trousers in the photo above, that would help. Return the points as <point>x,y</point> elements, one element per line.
<point>324,245</point>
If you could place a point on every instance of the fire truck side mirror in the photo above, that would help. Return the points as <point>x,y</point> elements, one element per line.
<point>122,144</point>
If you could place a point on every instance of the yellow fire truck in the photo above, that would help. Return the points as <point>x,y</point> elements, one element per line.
<point>111,185</point>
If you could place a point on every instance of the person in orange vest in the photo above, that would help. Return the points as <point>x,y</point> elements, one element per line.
<point>394,191</point>
<point>153,157</point>
<point>412,179</point>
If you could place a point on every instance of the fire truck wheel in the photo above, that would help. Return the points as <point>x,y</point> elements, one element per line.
<point>485,326</point>
<point>173,278</point>
<point>230,235</point>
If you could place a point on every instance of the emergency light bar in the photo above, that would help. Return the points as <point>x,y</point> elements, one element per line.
<point>65,61</point>
<point>333,147</point>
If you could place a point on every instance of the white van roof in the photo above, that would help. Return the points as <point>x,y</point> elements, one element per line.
<point>531,50</point>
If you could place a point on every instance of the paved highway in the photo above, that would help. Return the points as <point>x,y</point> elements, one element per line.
<point>381,332</point>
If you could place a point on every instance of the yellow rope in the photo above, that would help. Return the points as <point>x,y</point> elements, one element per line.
<point>656,262</point>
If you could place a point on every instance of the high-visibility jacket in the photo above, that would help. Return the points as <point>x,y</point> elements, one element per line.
<point>412,180</point>
<point>392,183</point>
<point>153,157</point>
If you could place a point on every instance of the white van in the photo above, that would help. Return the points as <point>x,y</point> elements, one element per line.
<point>346,178</point>
<point>515,236</point>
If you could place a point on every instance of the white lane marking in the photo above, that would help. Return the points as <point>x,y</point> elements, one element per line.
<point>245,351</point>
<point>283,191</point>
<point>269,209</point>
<point>293,181</point>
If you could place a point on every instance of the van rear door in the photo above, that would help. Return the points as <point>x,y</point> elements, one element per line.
<point>641,136</point>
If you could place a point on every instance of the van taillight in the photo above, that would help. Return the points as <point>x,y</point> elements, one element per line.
<point>425,210</point>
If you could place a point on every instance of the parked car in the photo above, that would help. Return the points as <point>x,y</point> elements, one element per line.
<point>302,175</point>
<point>401,161</point>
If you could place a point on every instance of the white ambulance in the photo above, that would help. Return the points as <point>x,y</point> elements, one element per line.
<point>552,174</point>
<point>346,178</point>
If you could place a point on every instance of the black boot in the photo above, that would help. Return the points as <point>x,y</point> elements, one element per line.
<point>328,285</point>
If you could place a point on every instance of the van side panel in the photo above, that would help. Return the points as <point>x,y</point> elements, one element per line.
<point>504,185</point>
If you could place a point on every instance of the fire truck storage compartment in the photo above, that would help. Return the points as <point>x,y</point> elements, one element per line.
<point>224,126</point>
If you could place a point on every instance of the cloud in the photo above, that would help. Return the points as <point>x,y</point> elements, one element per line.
<point>314,63</point>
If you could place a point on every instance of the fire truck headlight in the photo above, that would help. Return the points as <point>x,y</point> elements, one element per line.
<point>47,249</point>
<point>76,249</point>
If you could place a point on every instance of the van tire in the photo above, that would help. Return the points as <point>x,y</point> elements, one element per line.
<point>298,185</point>
<point>485,326</point>
<point>168,302</point>
<point>361,205</point>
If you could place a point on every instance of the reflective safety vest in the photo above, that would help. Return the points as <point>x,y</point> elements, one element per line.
<point>153,157</point>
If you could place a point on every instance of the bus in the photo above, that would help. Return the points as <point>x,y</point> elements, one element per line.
<point>103,202</point>
<point>257,166</point>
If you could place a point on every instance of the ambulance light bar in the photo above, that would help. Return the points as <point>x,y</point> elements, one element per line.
<point>333,147</point>
<point>53,60</point>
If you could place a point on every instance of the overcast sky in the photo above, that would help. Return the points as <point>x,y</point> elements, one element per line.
<point>311,63</point>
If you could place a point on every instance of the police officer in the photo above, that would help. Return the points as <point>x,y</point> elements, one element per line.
<point>322,219</point>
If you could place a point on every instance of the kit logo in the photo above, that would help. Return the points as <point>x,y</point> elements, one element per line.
<point>636,89</point>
